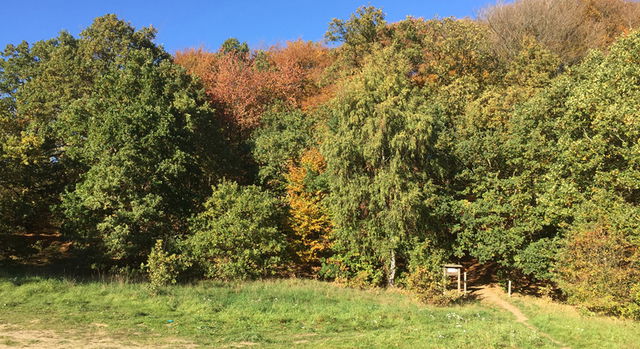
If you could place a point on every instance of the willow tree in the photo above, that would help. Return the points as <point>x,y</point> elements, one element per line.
<point>381,162</point>
<point>390,146</point>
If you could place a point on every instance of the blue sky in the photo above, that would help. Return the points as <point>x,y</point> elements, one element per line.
<point>193,23</point>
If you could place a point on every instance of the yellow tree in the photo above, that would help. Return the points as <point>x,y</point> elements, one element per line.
<point>308,218</point>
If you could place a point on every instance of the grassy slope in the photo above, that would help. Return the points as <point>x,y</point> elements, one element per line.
<point>576,329</point>
<point>271,313</point>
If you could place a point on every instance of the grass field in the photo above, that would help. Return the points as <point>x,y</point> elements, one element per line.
<point>279,313</point>
<point>579,329</point>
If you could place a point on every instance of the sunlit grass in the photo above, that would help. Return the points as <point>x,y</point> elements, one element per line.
<point>579,329</point>
<point>278,313</point>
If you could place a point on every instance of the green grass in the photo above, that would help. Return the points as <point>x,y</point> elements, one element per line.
<point>281,313</point>
<point>578,329</point>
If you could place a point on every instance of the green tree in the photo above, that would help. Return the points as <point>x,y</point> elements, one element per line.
<point>382,167</point>
<point>598,159</point>
<point>31,175</point>
<point>503,145</point>
<point>234,46</point>
<point>142,133</point>
<point>107,124</point>
<point>238,234</point>
<point>361,28</point>
<point>284,134</point>
<point>389,151</point>
<point>358,34</point>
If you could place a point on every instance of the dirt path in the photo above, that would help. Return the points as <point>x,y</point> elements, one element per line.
<point>489,294</point>
<point>492,295</point>
<point>12,336</point>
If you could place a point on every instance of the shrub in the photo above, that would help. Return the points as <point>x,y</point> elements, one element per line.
<point>352,269</point>
<point>162,267</point>
<point>237,236</point>
<point>425,283</point>
<point>599,269</point>
<point>425,276</point>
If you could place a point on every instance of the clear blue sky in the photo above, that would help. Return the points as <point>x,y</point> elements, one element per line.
<point>193,23</point>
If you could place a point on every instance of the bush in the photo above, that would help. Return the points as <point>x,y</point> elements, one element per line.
<point>237,236</point>
<point>425,276</point>
<point>352,269</point>
<point>163,268</point>
<point>599,270</point>
<point>427,284</point>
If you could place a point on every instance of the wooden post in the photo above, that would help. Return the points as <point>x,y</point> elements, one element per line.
<point>459,288</point>
<point>509,288</point>
<point>444,280</point>
<point>465,282</point>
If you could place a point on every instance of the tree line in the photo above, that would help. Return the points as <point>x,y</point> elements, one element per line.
<point>509,139</point>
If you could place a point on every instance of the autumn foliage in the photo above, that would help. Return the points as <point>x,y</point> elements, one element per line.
<point>599,270</point>
<point>241,85</point>
<point>308,217</point>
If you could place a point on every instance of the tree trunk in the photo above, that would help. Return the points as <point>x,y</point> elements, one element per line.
<point>392,268</point>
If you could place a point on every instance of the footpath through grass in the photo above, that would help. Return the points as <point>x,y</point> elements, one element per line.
<point>280,313</point>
